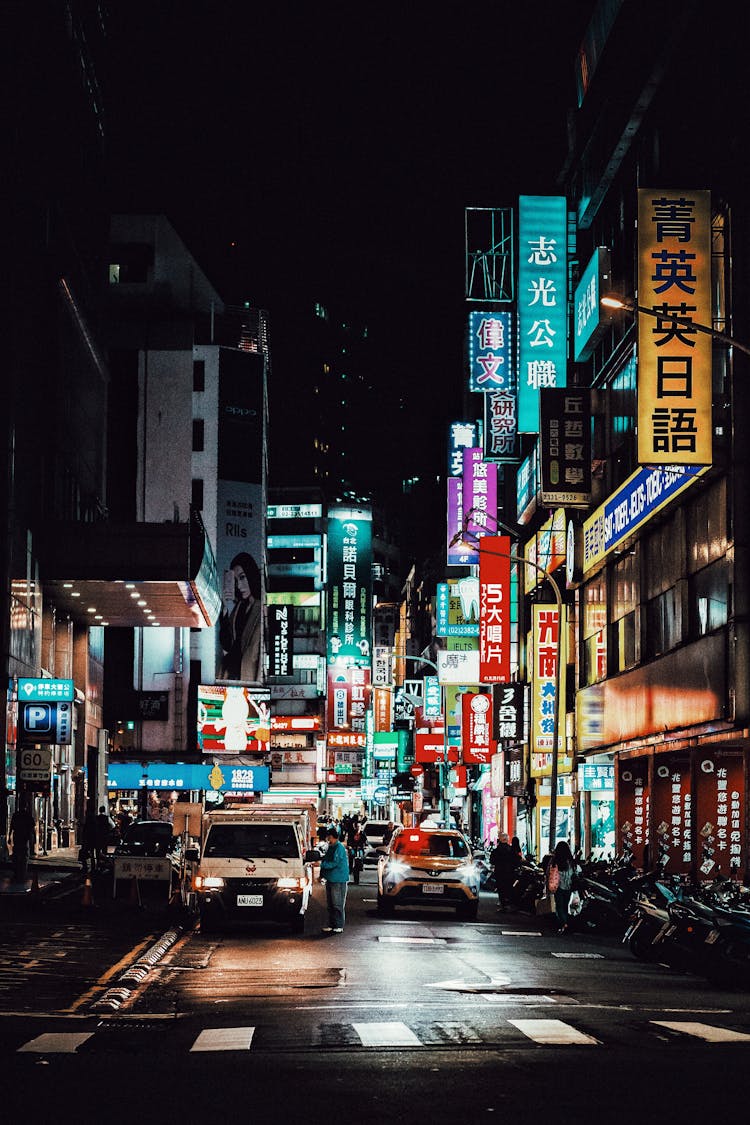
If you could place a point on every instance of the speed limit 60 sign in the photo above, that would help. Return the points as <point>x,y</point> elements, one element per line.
<point>34,765</point>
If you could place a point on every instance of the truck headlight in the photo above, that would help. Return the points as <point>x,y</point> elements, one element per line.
<point>288,883</point>
<point>207,882</point>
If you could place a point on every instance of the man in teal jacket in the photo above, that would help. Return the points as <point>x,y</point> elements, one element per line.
<point>334,871</point>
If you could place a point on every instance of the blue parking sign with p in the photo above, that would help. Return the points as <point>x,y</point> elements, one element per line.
<point>46,722</point>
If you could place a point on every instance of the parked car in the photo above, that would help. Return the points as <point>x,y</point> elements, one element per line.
<point>375,832</point>
<point>429,867</point>
<point>150,838</point>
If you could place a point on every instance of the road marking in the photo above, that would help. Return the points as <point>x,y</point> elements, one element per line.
<point>580,956</point>
<point>131,955</point>
<point>224,1039</point>
<point>413,940</point>
<point>470,986</point>
<point>393,1034</point>
<point>459,1032</point>
<point>520,933</point>
<point>704,1031</point>
<point>553,1033</point>
<point>56,1043</point>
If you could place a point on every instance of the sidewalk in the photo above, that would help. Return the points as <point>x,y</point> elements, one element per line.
<point>50,870</point>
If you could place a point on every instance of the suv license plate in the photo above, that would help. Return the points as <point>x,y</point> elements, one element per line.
<point>432,888</point>
<point>249,900</point>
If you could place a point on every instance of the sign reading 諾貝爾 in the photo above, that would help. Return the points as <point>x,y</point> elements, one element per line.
<point>674,359</point>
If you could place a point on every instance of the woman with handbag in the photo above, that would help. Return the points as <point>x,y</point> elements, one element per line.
<point>561,872</point>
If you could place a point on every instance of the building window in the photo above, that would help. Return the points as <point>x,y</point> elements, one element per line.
<point>664,619</point>
<point>197,494</point>
<point>594,626</point>
<point>625,617</point>
<point>709,596</point>
<point>198,436</point>
<point>199,374</point>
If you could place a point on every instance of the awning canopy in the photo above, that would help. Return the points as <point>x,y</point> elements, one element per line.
<point>135,574</point>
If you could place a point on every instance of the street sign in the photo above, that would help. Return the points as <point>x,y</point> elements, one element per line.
<point>381,794</point>
<point>46,722</point>
<point>343,767</point>
<point>45,690</point>
<point>35,765</point>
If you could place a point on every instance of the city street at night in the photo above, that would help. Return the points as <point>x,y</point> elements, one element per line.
<point>420,1010</point>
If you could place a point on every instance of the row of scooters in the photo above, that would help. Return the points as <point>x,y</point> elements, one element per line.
<point>702,928</point>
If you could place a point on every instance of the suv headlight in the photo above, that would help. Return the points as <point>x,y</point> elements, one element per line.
<point>469,873</point>
<point>288,883</point>
<point>395,872</point>
<point>207,882</point>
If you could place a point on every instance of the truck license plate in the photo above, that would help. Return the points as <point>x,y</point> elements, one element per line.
<point>432,889</point>
<point>249,900</point>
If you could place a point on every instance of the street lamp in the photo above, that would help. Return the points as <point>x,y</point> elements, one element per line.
<point>445,807</point>
<point>461,536</point>
<point>614,301</point>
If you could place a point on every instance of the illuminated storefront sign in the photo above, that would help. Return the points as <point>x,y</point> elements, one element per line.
<point>545,626</point>
<point>429,749</point>
<point>461,436</point>
<point>589,317</point>
<point>294,511</point>
<point>280,639</point>
<point>44,690</point>
<point>547,548</point>
<point>181,776</point>
<point>349,586</point>
<point>507,712</point>
<point>641,496</point>
<point>383,709</point>
<point>349,691</point>
<point>720,812</point>
<point>674,360</point>
<point>494,609</point>
<point>432,705</point>
<point>542,302</point>
<point>458,608</point>
<point>592,779</point>
<point>479,494</point>
<point>565,447</point>
<point>490,351</point>
<point>634,809</point>
<point>458,667</point>
<point>458,553</point>
<point>527,486</point>
<point>294,722</point>
<point>476,728</point>
<point>501,426</point>
<point>233,720</point>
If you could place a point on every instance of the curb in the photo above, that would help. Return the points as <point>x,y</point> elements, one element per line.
<point>135,974</point>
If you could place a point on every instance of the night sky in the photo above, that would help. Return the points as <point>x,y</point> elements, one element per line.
<point>336,145</point>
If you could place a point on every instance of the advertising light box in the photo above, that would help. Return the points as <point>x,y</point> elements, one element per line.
<point>233,719</point>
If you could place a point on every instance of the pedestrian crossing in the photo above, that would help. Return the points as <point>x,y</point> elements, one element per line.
<point>504,1034</point>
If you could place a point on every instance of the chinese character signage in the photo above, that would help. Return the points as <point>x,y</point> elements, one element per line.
<point>565,447</point>
<point>633,807</point>
<point>547,639</point>
<point>432,705</point>
<point>461,436</point>
<point>501,426</point>
<point>479,494</point>
<point>458,608</point>
<point>592,779</point>
<point>494,609</point>
<point>542,302</point>
<point>349,586</point>
<point>382,666</point>
<point>507,712</point>
<point>349,691</point>
<point>458,667</point>
<point>459,554</point>
<point>590,318</point>
<point>476,728</point>
<point>429,749</point>
<point>280,632</point>
<point>43,690</point>
<point>672,813</point>
<point>490,359</point>
<point>720,812</point>
<point>182,775</point>
<point>382,709</point>
<point>233,720</point>
<point>674,359</point>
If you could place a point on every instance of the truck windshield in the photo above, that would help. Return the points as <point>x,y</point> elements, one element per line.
<point>252,841</point>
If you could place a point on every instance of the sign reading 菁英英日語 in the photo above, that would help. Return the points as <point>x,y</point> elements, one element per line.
<point>674,358</point>
<point>461,436</point>
<point>542,302</point>
<point>490,352</point>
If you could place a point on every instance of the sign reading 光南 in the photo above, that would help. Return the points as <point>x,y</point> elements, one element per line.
<point>490,359</point>
<point>494,609</point>
<point>542,302</point>
<point>548,646</point>
<point>674,358</point>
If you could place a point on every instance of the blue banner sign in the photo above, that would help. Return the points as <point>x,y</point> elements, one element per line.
<point>588,315</point>
<point>181,775</point>
<point>542,302</point>
<point>640,497</point>
<point>593,778</point>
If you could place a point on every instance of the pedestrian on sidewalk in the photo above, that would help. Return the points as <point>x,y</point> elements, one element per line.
<point>505,864</point>
<point>103,831</point>
<point>563,861</point>
<point>334,871</point>
<point>23,837</point>
<point>357,845</point>
<point>88,843</point>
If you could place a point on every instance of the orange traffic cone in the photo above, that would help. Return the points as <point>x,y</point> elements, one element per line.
<point>135,893</point>
<point>87,898</point>
<point>35,882</point>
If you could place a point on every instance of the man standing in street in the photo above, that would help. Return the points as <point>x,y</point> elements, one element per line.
<point>505,864</point>
<point>334,871</point>
<point>23,835</point>
<point>103,831</point>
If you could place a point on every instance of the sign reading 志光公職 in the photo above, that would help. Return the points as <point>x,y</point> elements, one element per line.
<point>674,359</point>
<point>542,302</point>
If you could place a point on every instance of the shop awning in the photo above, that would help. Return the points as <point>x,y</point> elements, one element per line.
<point>134,574</point>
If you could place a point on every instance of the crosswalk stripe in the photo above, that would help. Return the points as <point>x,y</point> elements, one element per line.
<point>458,1033</point>
<point>553,1032</point>
<point>704,1031</point>
<point>392,1034</point>
<point>224,1039</point>
<point>56,1043</point>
